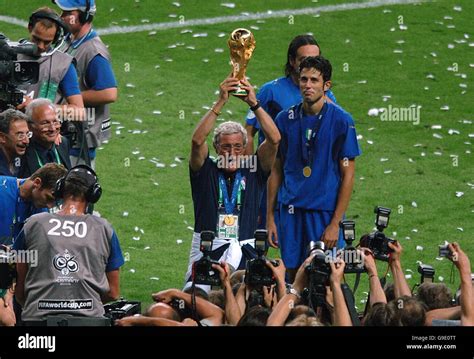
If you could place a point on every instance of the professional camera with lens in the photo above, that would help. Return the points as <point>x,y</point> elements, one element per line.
<point>378,241</point>
<point>318,271</point>
<point>122,308</point>
<point>351,256</point>
<point>203,273</point>
<point>14,73</point>
<point>257,272</point>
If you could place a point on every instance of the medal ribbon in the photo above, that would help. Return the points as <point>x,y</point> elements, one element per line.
<point>229,204</point>
<point>309,136</point>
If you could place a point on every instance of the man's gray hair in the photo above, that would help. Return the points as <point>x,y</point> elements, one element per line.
<point>39,102</point>
<point>229,128</point>
<point>8,116</point>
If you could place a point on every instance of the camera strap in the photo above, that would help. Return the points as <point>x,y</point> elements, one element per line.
<point>350,303</point>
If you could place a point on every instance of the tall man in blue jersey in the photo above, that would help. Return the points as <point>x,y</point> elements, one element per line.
<point>314,168</point>
<point>96,77</point>
<point>280,94</point>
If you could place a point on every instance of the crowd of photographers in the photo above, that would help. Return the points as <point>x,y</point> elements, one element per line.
<point>319,295</point>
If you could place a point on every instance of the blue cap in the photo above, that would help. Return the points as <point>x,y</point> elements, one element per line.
<point>81,5</point>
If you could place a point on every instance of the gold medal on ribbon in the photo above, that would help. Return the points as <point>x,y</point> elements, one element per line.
<point>307,171</point>
<point>229,220</point>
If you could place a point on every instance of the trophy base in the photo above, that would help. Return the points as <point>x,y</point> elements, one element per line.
<point>239,93</point>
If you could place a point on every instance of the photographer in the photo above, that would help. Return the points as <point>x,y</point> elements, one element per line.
<point>400,284</point>
<point>96,77</point>
<point>462,263</point>
<point>226,193</point>
<point>80,255</point>
<point>14,139</point>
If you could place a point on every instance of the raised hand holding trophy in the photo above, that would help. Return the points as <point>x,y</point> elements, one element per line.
<point>241,44</point>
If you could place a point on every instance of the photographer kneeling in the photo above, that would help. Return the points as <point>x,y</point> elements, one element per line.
<point>79,257</point>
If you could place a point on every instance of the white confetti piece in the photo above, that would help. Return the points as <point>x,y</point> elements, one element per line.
<point>437,153</point>
<point>200,34</point>
<point>383,159</point>
<point>411,160</point>
<point>179,241</point>
<point>360,137</point>
<point>407,238</point>
<point>444,108</point>
<point>422,154</point>
<point>154,278</point>
<point>138,120</point>
<point>460,229</point>
<point>419,248</point>
<point>403,27</point>
<point>190,228</point>
<point>451,46</point>
<point>177,159</point>
<point>441,279</point>
<point>132,270</point>
<point>453,132</point>
<point>362,82</point>
<point>152,33</point>
<point>218,50</point>
<point>437,135</point>
<point>408,276</point>
<point>125,214</point>
<point>414,230</point>
<point>394,234</point>
<point>436,127</point>
<point>398,51</point>
<point>177,4</point>
<point>146,248</point>
<point>387,172</point>
<point>459,194</point>
<point>173,165</point>
<point>129,85</point>
<point>229,5</point>
<point>157,112</point>
<point>414,204</point>
<point>370,142</point>
<point>136,238</point>
<point>373,112</point>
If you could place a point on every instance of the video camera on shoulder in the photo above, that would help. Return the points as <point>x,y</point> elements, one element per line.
<point>351,256</point>
<point>14,73</point>
<point>378,241</point>
<point>122,308</point>
<point>203,273</point>
<point>257,272</point>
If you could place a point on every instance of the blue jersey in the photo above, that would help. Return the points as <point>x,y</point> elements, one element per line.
<point>335,139</point>
<point>13,209</point>
<point>275,96</point>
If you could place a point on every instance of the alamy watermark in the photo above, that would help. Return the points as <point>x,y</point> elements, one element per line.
<point>401,114</point>
<point>12,256</point>
<point>228,161</point>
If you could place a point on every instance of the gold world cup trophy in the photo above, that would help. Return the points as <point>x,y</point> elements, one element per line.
<point>241,44</point>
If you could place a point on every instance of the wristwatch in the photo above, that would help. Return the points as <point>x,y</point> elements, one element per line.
<point>291,290</point>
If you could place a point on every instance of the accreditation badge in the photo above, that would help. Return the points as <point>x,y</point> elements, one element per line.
<point>228,227</point>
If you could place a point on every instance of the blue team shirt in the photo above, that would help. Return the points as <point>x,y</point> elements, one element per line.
<point>275,96</point>
<point>336,139</point>
<point>13,209</point>
<point>69,85</point>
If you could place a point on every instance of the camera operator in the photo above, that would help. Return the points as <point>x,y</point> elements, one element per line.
<point>14,139</point>
<point>226,193</point>
<point>96,77</point>
<point>80,255</point>
<point>43,148</point>
<point>57,74</point>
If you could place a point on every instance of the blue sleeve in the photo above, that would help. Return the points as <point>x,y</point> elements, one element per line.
<point>115,260</point>
<point>350,147</point>
<point>69,85</point>
<point>99,74</point>
<point>331,96</point>
<point>19,243</point>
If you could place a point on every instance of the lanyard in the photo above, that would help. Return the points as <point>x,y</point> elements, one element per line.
<point>40,163</point>
<point>309,135</point>
<point>229,204</point>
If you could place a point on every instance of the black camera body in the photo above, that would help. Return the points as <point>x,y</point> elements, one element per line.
<point>257,272</point>
<point>203,273</point>
<point>122,308</point>
<point>14,73</point>
<point>444,251</point>
<point>351,256</point>
<point>318,271</point>
<point>378,241</point>
<point>7,268</point>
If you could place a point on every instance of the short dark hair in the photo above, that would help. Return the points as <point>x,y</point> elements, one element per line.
<point>255,317</point>
<point>9,116</point>
<point>434,295</point>
<point>319,63</point>
<point>380,315</point>
<point>49,174</point>
<point>295,44</point>
<point>409,311</point>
